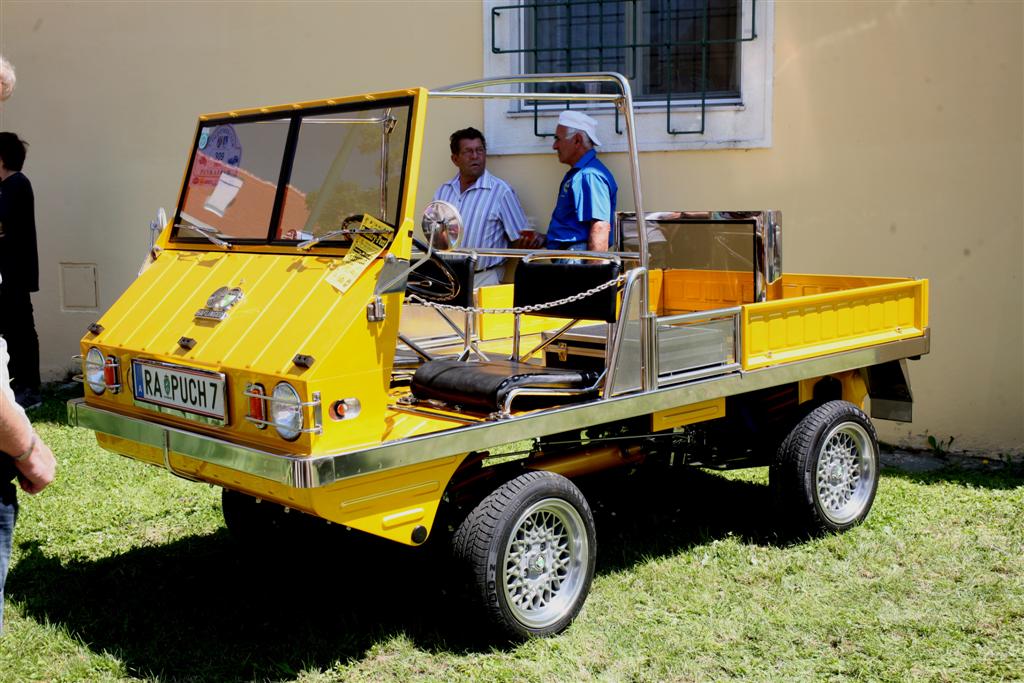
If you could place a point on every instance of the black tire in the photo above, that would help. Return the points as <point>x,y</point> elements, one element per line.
<point>826,472</point>
<point>250,520</point>
<point>544,520</point>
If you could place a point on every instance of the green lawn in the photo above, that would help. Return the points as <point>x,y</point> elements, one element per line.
<point>123,572</point>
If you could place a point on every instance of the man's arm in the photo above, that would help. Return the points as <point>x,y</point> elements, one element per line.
<point>599,232</point>
<point>33,459</point>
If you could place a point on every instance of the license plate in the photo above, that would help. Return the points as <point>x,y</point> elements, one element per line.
<point>191,391</point>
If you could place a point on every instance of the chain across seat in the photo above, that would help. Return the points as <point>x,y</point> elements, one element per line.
<point>492,385</point>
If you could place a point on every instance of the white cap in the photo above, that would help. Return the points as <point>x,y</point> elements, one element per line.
<point>571,118</point>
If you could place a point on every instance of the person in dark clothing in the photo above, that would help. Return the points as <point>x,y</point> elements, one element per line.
<point>19,268</point>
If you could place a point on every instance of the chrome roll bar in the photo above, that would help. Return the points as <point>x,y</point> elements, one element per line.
<point>624,101</point>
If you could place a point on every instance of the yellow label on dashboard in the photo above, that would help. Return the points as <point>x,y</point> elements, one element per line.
<point>365,248</point>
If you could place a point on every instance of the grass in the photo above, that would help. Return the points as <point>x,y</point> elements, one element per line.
<point>123,572</point>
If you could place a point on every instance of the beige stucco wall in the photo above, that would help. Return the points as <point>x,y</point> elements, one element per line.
<point>897,149</point>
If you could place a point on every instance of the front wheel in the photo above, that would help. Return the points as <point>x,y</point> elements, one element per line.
<point>530,548</point>
<point>826,472</point>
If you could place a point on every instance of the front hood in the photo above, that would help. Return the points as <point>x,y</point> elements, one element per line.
<point>286,307</point>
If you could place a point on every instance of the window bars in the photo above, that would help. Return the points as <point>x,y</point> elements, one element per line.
<point>670,50</point>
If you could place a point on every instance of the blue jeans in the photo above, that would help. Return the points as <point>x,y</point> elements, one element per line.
<point>569,246</point>
<point>8,516</point>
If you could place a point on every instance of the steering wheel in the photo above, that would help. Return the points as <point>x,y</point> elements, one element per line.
<point>433,280</point>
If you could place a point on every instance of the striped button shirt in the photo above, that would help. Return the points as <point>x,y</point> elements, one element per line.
<point>490,211</point>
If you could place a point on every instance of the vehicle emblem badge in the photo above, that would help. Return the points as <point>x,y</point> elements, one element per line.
<point>219,302</point>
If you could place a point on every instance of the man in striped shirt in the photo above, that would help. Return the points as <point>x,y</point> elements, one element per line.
<point>489,206</point>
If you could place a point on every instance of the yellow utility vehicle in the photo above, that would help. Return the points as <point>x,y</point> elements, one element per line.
<point>293,341</point>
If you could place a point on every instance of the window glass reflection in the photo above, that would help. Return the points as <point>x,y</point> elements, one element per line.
<point>346,163</point>
<point>234,179</point>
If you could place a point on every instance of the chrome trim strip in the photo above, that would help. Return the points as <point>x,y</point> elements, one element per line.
<point>676,378</point>
<point>699,315</point>
<point>323,470</point>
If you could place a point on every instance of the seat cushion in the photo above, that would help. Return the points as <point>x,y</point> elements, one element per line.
<point>485,385</point>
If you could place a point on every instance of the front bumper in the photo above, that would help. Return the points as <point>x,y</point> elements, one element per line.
<point>295,471</point>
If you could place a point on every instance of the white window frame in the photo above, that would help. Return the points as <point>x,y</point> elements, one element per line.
<point>745,124</point>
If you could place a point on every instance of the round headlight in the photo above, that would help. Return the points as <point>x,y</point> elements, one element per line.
<point>286,411</point>
<point>94,362</point>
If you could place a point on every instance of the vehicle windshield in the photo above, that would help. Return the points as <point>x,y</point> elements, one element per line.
<point>332,162</point>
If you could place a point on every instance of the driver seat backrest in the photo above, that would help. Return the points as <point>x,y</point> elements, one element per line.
<point>540,282</point>
<point>492,385</point>
<point>464,268</point>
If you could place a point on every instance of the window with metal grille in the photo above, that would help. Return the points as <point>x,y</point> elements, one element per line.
<point>700,69</point>
<point>683,49</point>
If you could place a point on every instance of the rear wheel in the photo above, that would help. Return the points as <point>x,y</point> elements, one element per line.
<point>530,548</point>
<point>826,473</point>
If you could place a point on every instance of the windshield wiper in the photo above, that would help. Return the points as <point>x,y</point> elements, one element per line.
<point>305,246</point>
<point>208,233</point>
<point>308,244</point>
<point>343,230</point>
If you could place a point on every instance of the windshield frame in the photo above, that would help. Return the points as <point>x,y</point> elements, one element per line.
<point>294,118</point>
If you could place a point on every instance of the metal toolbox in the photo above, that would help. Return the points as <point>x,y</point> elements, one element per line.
<point>581,347</point>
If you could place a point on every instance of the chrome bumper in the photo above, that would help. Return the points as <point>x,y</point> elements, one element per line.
<point>298,472</point>
<point>306,472</point>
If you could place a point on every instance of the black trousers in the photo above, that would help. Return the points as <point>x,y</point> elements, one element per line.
<point>18,327</point>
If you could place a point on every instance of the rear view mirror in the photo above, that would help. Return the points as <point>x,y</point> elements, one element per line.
<point>442,225</point>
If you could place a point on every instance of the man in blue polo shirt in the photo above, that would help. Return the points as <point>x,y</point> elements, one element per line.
<point>585,208</point>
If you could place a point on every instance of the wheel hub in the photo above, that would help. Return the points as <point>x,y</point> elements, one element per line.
<point>544,562</point>
<point>845,472</point>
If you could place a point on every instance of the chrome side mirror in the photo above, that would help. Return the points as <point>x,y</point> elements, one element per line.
<point>442,226</point>
<point>157,226</point>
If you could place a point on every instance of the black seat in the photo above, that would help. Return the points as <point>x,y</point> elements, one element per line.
<point>491,385</point>
<point>539,282</point>
<point>487,385</point>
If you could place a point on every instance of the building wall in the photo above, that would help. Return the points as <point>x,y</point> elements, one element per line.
<point>898,149</point>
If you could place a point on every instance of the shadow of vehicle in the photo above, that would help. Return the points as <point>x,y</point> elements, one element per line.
<point>209,608</point>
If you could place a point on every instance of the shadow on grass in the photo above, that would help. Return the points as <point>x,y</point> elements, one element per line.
<point>54,407</point>
<point>206,608</point>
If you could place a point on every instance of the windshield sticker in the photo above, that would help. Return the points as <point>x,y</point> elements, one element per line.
<point>220,150</point>
<point>226,147</point>
<point>365,248</point>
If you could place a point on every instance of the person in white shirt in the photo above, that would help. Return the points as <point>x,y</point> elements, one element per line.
<point>491,212</point>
